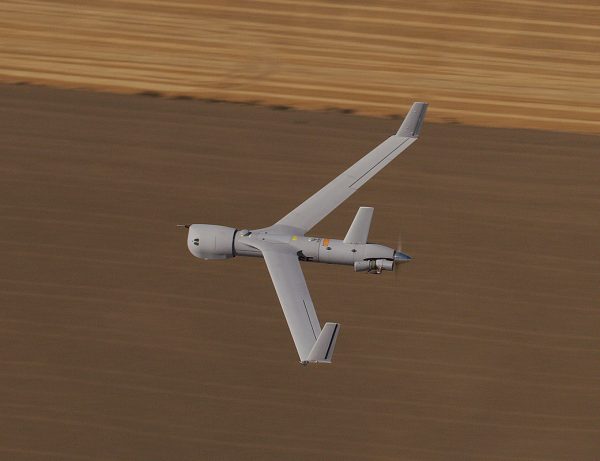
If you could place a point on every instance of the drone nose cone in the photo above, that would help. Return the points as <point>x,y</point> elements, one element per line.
<point>400,258</point>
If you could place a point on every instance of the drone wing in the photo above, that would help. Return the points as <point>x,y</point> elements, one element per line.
<point>312,343</point>
<point>313,210</point>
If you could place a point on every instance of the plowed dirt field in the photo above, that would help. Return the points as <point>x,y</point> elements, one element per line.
<point>116,344</point>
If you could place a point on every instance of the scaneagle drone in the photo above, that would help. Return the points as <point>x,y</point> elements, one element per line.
<point>284,244</point>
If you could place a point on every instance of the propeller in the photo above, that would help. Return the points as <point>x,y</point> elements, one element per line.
<point>399,257</point>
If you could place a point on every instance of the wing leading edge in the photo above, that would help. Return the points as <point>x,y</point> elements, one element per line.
<point>314,209</point>
<point>312,343</point>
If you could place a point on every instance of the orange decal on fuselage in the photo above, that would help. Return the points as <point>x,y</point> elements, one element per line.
<point>325,242</point>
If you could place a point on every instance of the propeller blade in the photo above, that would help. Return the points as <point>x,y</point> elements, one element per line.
<point>396,263</point>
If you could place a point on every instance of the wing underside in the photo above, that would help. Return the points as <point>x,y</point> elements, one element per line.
<point>293,295</point>
<point>319,205</point>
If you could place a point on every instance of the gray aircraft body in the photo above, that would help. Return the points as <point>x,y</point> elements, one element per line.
<point>284,244</point>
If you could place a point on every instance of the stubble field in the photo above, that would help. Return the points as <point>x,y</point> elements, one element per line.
<point>507,63</point>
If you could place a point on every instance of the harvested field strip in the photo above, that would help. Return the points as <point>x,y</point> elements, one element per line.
<point>477,63</point>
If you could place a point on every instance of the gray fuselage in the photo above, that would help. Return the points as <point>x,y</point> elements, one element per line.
<point>208,241</point>
<point>315,249</point>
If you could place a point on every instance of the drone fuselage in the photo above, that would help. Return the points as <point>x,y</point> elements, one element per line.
<point>219,242</point>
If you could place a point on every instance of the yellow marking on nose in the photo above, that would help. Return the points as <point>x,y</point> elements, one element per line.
<point>294,237</point>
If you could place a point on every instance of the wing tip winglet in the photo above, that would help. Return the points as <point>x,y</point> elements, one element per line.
<point>322,351</point>
<point>411,126</point>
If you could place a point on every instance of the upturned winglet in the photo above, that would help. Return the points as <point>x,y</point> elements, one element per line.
<point>411,126</point>
<point>322,351</point>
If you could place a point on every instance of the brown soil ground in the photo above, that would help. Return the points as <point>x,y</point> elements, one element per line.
<point>502,63</point>
<point>116,344</point>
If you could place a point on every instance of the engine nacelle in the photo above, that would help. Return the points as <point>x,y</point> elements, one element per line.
<point>208,241</point>
<point>374,266</point>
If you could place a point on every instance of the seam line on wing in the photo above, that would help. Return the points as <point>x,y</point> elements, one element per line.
<point>309,321</point>
<point>386,156</point>
<point>331,341</point>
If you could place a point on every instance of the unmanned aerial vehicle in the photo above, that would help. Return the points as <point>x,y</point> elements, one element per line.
<point>284,244</point>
